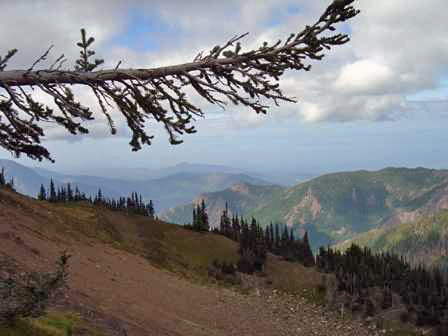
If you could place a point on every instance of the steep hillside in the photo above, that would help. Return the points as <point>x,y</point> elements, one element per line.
<point>119,279</point>
<point>338,206</point>
<point>240,198</point>
<point>335,207</point>
<point>421,241</point>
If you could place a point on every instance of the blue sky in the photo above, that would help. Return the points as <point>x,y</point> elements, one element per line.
<point>372,103</point>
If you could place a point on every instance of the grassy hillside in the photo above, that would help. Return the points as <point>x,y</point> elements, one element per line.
<point>338,206</point>
<point>122,269</point>
<point>422,241</point>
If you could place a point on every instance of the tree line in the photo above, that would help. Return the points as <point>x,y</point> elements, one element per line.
<point>423,291</point>
<point>133,204</point>
<point>254,240</point>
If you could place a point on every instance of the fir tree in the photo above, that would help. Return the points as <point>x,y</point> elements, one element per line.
<point>10,184</point>
<point>204,225</point>
<point>2,178</point>
<point>77,194</point>
<point>308,259</point>
<point>42,196</point>
<point>69,192</point>
<point>277,237</point>
<point>151,211</point>
<point>53,196</point>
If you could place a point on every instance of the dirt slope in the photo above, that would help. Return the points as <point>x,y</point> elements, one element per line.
<point>122,286</point>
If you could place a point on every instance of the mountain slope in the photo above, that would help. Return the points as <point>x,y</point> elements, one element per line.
<point>240,198</point>
<point>421,241</point>
<point>335,207</point>
<point>119,279</point>
<point>338,206</point>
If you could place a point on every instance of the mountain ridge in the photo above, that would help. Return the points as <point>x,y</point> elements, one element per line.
<point>337,206</point>
<point>165,191</point>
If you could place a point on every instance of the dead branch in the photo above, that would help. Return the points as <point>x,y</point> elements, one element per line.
<point>224,74</point>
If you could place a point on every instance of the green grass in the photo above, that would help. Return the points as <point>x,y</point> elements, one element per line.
<point>53,324</point>
<point>397,328</point>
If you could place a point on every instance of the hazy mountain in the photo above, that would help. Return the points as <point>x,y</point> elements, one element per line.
<point>146,173</point>
<point>168,191</point>
<point>28,180</point>
<point>336,207</point>
<point>279,177</point>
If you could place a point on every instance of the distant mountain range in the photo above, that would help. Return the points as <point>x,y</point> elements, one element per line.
<point>173,188</point>
<point>335,207</point>
<point>283,178</point>
<point>150,174</point>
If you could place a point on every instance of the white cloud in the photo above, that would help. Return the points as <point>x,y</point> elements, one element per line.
<point>364,77</point>
<point>398,48</point>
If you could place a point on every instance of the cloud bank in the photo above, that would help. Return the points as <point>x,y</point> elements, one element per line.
<point>398,48</point>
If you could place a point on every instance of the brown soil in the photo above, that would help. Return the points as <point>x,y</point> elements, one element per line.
<point>123,294</point>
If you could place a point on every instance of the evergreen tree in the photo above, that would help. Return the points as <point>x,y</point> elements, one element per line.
<point>53,196</point>
<point>195,218</point>
<point>151,211</point>
<point>10,184</point>
<point>69,192</point>
<point>277,238</point>
<point>308,259</point>
<point>99,196</point>
<point>284,241</point>
<point>204,225</point>
<point>2,178</point>
<point>267,237</point>
<point>225,225</point>
<point>77,194</point>
<point>42,196</point>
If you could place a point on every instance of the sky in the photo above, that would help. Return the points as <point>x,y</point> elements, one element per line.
<point>380,100</point>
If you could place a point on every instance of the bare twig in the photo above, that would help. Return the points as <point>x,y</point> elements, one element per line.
<point>224,74</point>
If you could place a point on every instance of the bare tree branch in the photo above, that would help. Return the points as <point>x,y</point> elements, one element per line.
<point>224,74</point>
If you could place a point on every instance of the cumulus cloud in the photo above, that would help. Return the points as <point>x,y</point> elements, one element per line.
<point>398,48</point>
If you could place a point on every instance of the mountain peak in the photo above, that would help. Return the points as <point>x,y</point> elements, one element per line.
<point>242,188</point>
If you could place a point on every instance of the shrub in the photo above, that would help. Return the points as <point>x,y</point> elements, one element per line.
<point>30,297</point>
<point>223,271</point>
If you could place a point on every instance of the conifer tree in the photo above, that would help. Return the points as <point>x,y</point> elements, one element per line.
<point>204,218</point>
<point>69,192</point>
<point>99,197</point>
<point>53,196</point>
<point>195,219</point>
<point>151,211</point>
<point>225,225</point>
<point>308,259</point>
<point>42,196</point>
<point>267,237</point>
<point>10,184</point>
<point>2,177</point>
<point>77,194</point>
<point>277,237</point>
<point>284,241</point>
